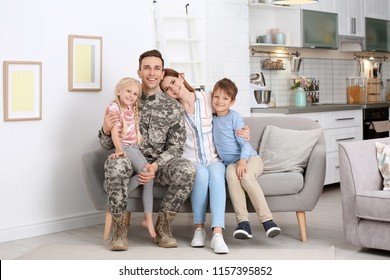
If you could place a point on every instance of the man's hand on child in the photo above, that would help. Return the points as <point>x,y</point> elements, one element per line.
<point>110,120</point>
<point>147,174</point>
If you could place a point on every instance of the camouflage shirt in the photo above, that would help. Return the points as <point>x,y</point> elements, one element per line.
<point>162,127</point>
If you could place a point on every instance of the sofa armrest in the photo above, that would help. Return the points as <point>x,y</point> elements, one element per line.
<point>360,164</point>
<point>314,176</point>
<point>92,166</point>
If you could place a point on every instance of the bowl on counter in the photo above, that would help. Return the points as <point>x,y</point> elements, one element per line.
<point>262,96</point>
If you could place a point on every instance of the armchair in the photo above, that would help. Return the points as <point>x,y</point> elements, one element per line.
<point>365,206</point>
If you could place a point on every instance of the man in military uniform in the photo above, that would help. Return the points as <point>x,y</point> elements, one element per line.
<point>163,131</point>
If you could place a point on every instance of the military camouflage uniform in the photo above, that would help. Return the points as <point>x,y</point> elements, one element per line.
<point>163,132</point>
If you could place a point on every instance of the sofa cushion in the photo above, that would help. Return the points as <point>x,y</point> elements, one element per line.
<point>373,205</point>
<point>287,149</point>
<point>285,183</point>
<point>383,158</point>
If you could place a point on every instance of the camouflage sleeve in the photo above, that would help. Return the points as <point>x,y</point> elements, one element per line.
<point>176,138</point>
<point>105,141</point>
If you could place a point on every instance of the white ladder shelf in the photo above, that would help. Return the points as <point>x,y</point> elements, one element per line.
<point>178,41</point>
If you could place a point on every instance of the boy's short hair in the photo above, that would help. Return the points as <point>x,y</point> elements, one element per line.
<point>151,53</point>
<point>228,86</point>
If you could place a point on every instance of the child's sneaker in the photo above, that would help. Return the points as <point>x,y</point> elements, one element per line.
<point>271,229</point>
<point>243,231</point>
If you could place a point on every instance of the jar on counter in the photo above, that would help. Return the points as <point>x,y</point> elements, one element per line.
<point>356,90</point>
<point>272,102</point>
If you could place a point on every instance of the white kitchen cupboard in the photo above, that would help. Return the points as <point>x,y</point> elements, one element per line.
<point>351,18</point>
<point>329,6</point>
<point>264,17</point>
<point>379,9</point>
<point>338,126</point>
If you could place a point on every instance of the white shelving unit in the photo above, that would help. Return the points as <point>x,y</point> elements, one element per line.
<point>177,38</point>
<point>263,17</point>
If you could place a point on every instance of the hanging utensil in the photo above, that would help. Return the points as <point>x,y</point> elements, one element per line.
<point>263,79</point>
<point>255,78</point>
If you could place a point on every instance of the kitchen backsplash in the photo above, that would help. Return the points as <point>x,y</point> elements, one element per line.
<point>331,74</point>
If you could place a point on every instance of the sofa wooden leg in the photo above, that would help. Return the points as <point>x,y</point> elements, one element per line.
<point>107,225</point>
<point>127,218</point>
<point>301,216</point>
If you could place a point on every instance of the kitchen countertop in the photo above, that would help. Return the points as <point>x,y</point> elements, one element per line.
<point>318,108</point>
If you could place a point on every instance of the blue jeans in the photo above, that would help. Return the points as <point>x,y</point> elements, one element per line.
<point>209,180</point>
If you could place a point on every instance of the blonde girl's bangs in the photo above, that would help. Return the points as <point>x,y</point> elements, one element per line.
<point>126,80</point>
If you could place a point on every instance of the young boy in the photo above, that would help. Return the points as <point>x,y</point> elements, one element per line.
<point>243,163</point>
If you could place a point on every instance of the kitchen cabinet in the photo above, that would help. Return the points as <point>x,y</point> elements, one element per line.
<point>264,17</point>
<point>330,6</point>
<point>338,126</point>
<point>351,18</point>
<point>377,31</point>
<point>319,29</point>
<point>378,9</point>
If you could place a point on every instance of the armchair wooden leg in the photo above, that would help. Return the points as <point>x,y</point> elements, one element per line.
<point>301,216</point>
<point>108,223</point>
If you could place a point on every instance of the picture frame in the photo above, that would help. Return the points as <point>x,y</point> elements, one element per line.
<point>22,81</point>
<point>85,63</point>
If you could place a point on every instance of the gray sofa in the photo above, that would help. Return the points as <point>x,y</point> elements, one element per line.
<point>365,206</point>
<point>285,192</point>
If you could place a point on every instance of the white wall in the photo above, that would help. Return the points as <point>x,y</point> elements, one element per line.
<point>40,184</point>
<point>228,47</point>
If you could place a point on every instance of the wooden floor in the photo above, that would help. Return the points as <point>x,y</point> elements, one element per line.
<point>324,229</point>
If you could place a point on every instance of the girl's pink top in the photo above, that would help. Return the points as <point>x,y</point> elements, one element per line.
<point>126,115</point>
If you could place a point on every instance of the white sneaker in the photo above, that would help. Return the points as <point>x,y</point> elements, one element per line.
<point>199,239</point>
<point>218,244</point>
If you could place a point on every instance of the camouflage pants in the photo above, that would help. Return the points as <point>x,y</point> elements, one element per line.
<point>178,175</point>
<point>117,174</point>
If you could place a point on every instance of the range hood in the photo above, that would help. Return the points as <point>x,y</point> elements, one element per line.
<point>351,44</point>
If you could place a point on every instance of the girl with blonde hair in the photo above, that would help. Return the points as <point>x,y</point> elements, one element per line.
<point>126,137</point>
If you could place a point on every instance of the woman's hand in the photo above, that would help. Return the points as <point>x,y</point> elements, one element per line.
<point>245,133</point>
<point>241,168</point>
<point>110,120</point>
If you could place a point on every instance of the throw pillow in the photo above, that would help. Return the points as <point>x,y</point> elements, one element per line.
<point>383,157</point>
<point>287,149</point>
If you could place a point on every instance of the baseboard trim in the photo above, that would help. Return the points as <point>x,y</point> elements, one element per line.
<point>80,220</point>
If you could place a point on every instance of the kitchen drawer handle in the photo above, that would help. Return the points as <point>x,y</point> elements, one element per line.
<point>345,139</point>
<point>345,119</point>
<point>337,166</point>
